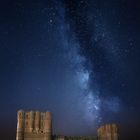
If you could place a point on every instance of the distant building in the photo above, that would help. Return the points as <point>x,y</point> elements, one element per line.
<point>80,138</point>
<point>59,137</point>
<point>35,125</point>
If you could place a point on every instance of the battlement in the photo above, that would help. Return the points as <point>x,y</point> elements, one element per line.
<point>32,124</point>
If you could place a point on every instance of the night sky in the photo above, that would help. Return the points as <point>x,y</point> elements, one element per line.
<point>79,59</point>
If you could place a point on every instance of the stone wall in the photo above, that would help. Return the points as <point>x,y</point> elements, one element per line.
<point>108,132</point>
<point>60,137</point>
<point>81,138</point>
<point>34,125</point>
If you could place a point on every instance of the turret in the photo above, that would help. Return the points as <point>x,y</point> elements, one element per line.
<point>31,121</point>
<point>42,119</point>
<point>48,125</point>
<point>20,125</point>
<point>115,131</point>
<point>37,121</point>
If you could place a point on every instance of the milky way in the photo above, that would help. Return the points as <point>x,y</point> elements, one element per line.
<point>91,103</point>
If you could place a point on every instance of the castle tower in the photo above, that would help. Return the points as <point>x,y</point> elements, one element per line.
<point>31,121</point>
<point>34,125</point>
<point>20,125</point>
<point>42,121</point>
<point>108,132</point>
<point>48,125</point>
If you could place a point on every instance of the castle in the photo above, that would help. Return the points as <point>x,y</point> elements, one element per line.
<point>35,125</point>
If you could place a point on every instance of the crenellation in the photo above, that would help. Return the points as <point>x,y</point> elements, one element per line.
<point>20,125</point>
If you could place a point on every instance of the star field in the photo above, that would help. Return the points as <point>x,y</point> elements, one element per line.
<point>76,58</point>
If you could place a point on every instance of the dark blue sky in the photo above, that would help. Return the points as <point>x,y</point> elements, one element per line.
<point>79,59</point>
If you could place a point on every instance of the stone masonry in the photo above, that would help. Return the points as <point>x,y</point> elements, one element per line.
<point>34,125</point>
<point>108,132</point>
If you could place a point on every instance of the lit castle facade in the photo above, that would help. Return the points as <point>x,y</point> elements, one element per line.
<point>35,125</point>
